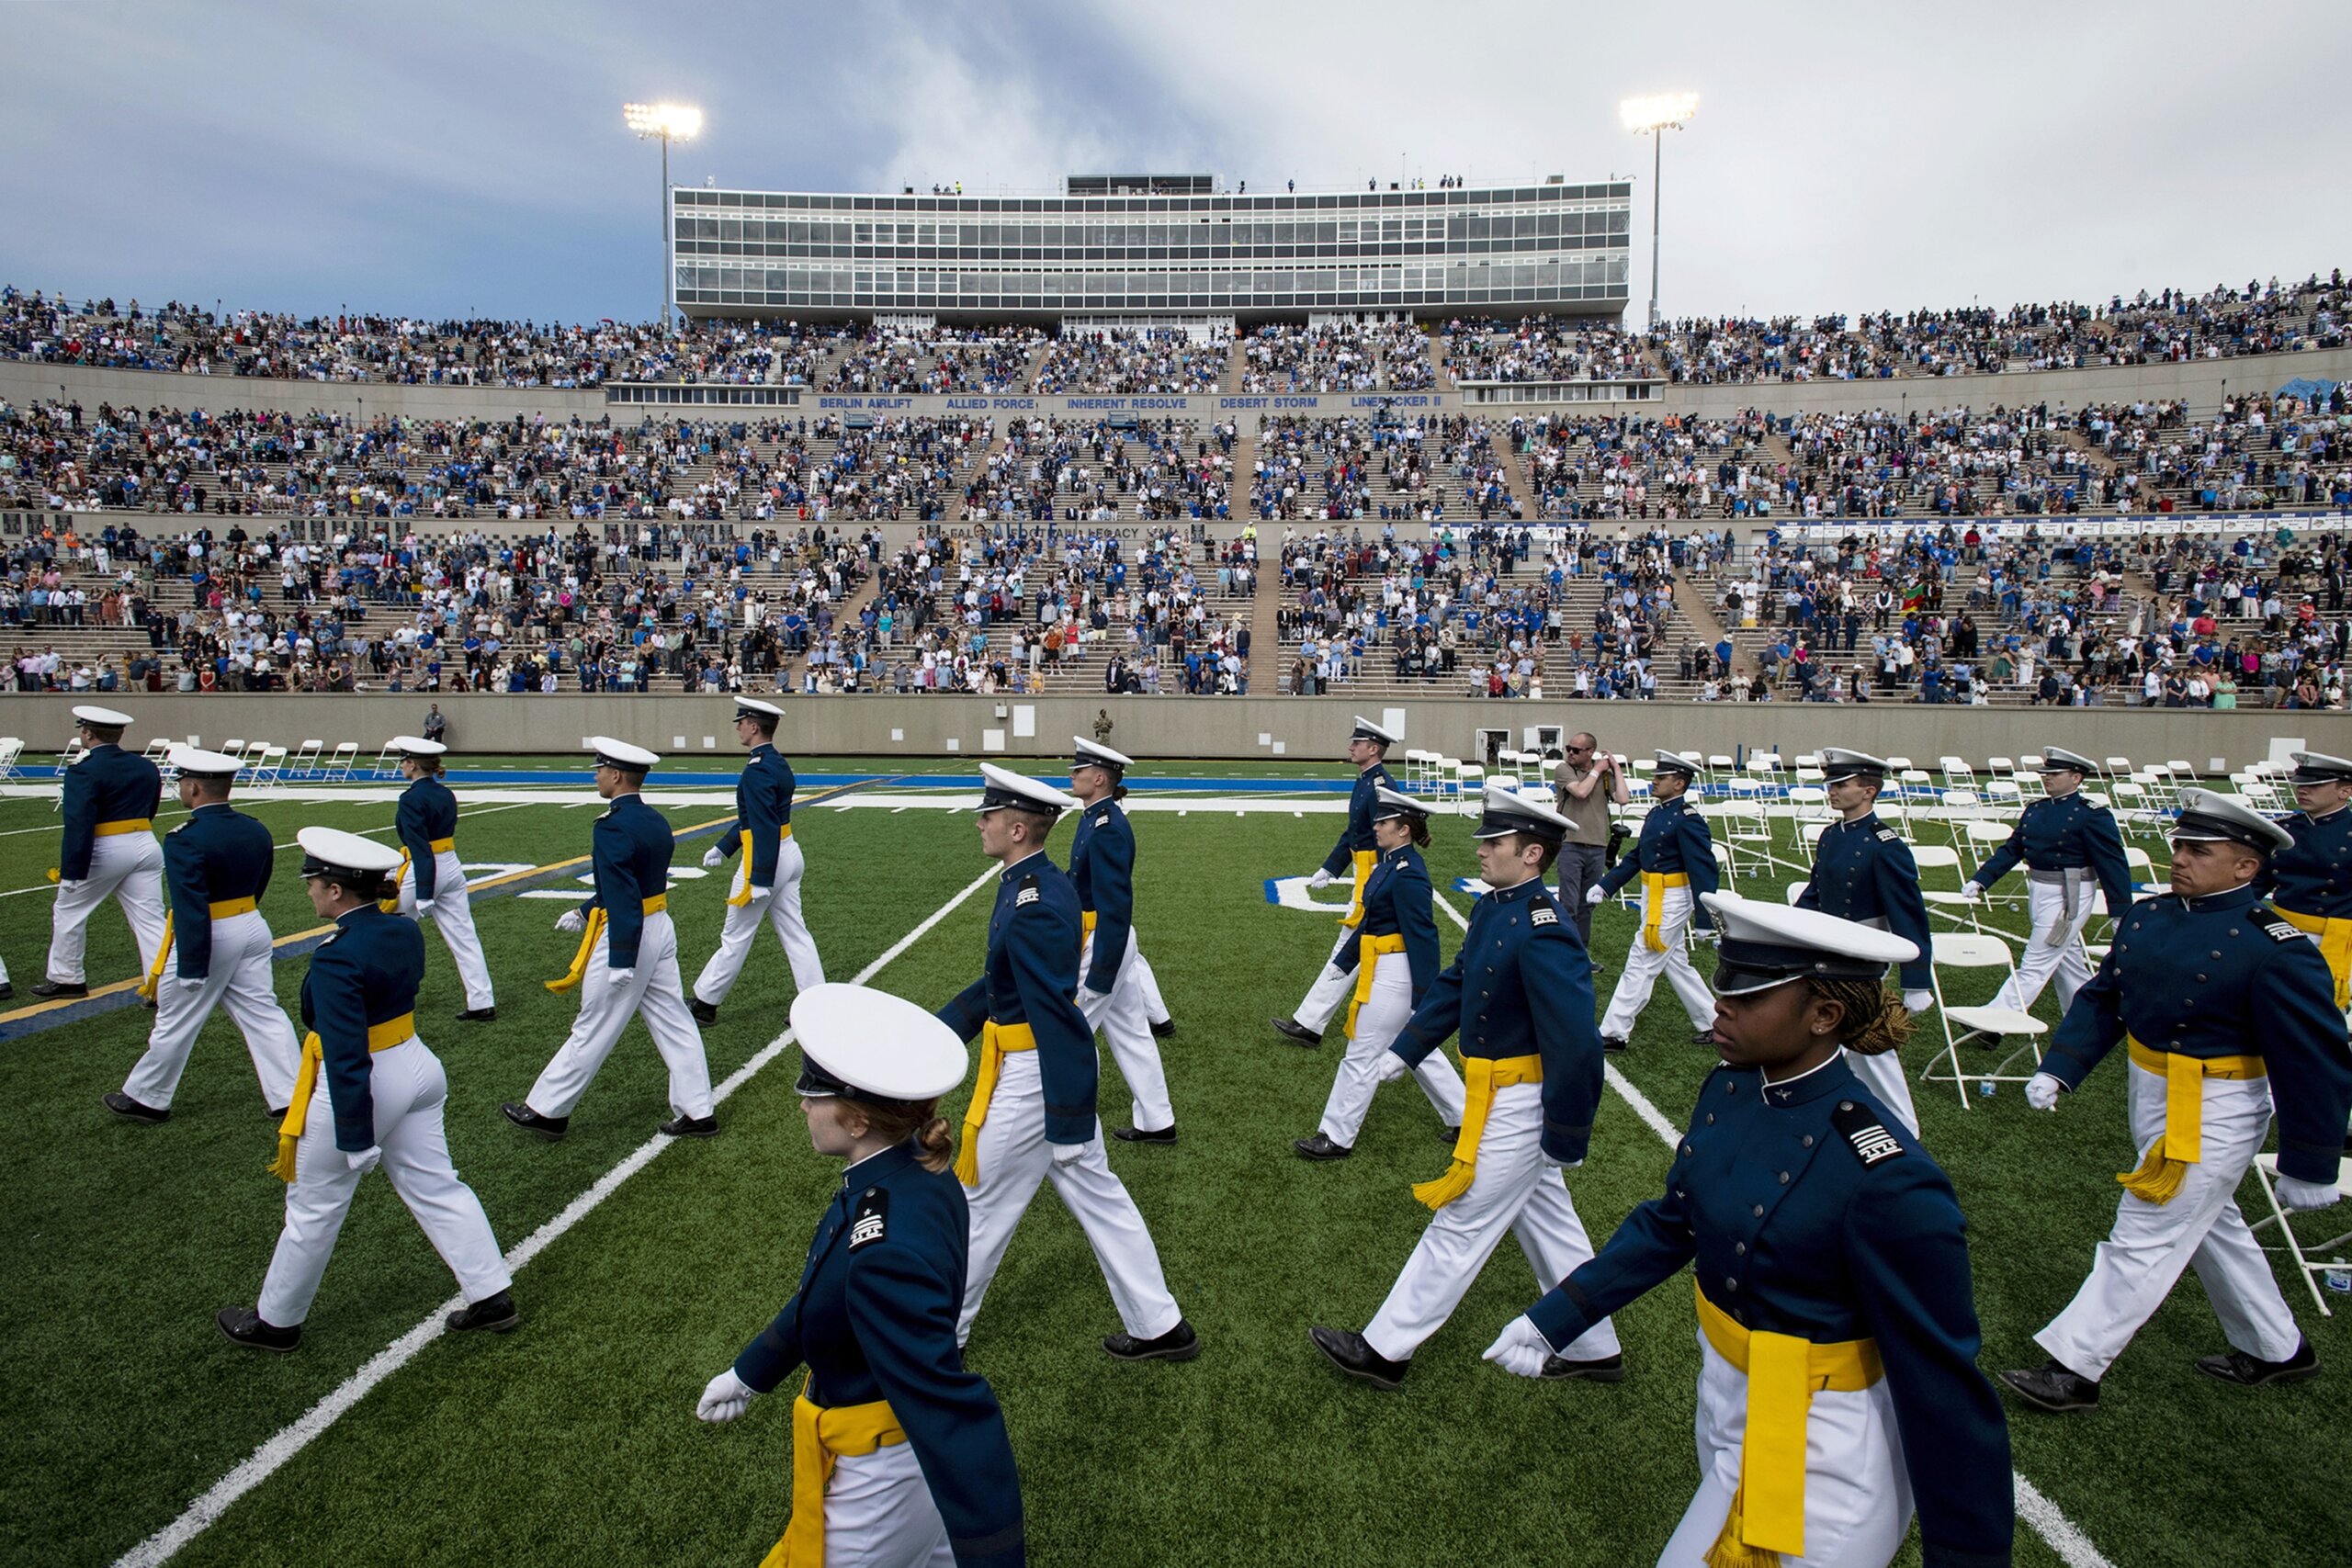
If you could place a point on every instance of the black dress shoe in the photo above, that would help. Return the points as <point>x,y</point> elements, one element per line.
<point>243,1325</point>
<point>1320,1146</point>
<point>276,1115</point>
<point>1612,1046</point>
<point>1179,1344</point>
<point>1607,1368</point>
<point>1706,1037</point>
<point>6,991</point>
<point>478,1015</point>
<point>130,1110</point>
<point>1449,1136</point>
<point>1138,1135</point>
<point>1295,1033</point>
<point>149,1003</point>
<point>1163,1029</point>
<point>530,1120</point>
<point>704,1012</point>
<point>684,1126</point>
<point>2052,1387</point>
<point>60,989</point>
<point>1979,1039</point>
<point>497,1314</point>
<point>2252,1371</point>
<point>1349,1352</point>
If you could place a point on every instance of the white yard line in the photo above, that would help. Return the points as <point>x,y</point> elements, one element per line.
<point>2068,1541</point>
<point>52,886</point>
<point>266,1460</point>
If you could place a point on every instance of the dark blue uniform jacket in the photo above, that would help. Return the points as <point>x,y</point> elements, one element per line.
<point>367,973</point>
<point>1030,977</point>
<point>215,855</point>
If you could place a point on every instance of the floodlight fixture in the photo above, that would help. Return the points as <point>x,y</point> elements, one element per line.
<point>1653,115</point>
<point>668,122</point>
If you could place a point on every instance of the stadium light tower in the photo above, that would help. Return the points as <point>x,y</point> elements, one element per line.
<point>671,122</point>
<point>1652,117</point>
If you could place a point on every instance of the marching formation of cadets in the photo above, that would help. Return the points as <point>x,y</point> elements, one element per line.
<point>1838,1393</point>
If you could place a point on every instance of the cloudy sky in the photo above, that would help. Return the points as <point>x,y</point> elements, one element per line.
<point>441,158</point>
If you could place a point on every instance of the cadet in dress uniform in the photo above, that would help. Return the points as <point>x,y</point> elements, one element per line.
<point>1862,870</point>
<point>900,1455</point>
<point>1353,854</point>
<point>1031,1112</point>
<point>2224,1010</point>
<point>1395,963</point>
<point>2309,884</point>
<point>109,850</point>
<point>1675,857</point>
<point>1519,995</point>
<point>1111,964</point>
<point>385,1094</point>
<point>430,880</point>
<point>216,947</point>
<point>627,962</point>
<point>769,889</point>
<point>2068,844</point>
<point>1837,1324</point>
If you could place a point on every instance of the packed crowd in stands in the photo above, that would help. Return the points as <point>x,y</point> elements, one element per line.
<point>1098,472</point>
<point>1394,356</point>
<point>935,362</point>
<point>1539,348</point>
<point>1156,360</point>
<point>1350,469</point>
<point>1597,467</point>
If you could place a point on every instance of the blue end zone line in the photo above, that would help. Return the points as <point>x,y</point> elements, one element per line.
<point>660,779</point>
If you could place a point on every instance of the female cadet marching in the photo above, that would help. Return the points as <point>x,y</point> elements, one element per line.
<point>385,1093</point>
<point>1838,1383</point>
<point>1111,990</point>
<point>1395,963</point>
<point>2068,844</point>
<point>431,881</point>
<point>1675,858</point>
<point>900,1455</point>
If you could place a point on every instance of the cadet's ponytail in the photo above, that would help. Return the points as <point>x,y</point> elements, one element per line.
<point>918,1120</point>
<point>1421,829</point>
<point>1876,1022</point>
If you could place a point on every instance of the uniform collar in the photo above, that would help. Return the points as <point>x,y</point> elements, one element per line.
<point>345,918</point>
<point>1527,889</point>
<point>211,806</point>
<point>1807,1087</point>
<point>768,746</point>
<point>1675,805</point>
<point>2330,817</point>
<point>876,1167</point>
<point>2236,899</point>
<point>1867,819</point>
<point>1006,874</point>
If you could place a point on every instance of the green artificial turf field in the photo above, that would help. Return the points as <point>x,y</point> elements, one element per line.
<point>573,1438</point>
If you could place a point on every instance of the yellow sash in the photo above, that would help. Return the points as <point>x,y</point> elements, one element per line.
<point>596,923</point>
<point>1368,951</point>
<point>1365,860</point>
<point>126,825</point>
<point>1654,887</point>
<point>1783,1372</point>
<point>380,1037</point>
<point>1483,1076</point>
<point>1085,923</point>
<point>2335,945</point>
<point>996,1041</point>
<point>818,1437</point>
<point>2182,1145</point>
<point>221,910</point>
<point>743,896</point>
<point>391,906</point>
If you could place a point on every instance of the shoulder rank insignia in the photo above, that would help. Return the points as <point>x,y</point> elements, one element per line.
<point>1860,1126</point>
<point>1103,818</point>
<point>1543,915</point>
<point>872,1219</point>
<point>2278,929</point>
<point>1888,835</point>
<point>1029,893</point>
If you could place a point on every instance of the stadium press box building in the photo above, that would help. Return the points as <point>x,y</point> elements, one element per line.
<point>1154,251</point>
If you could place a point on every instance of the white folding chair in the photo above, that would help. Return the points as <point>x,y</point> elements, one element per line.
<point>269,768</point>
<point>1469,787</point>
<point>345,758</point>
<point>11,748</point>
<point>305,759</point>
<point>388,762</point>
<point>2266,1171</point>
<point>1968,950</point>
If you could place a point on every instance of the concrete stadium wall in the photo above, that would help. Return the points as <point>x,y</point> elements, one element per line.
<point>21,382</point>
<point>1311,727</point>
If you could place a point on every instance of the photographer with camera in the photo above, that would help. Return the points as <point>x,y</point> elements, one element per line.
<point>1583,787</point>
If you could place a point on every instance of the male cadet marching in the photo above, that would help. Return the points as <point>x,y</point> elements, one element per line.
<point>1111,963</point>
<point>627,962</point>
<point>1031,1110</point>
<point>2225,1011</point>
<point>2309,884</point>
<point>216,946</point>
<point>385,1095</point>
<point>430,881</point>
<point>1863,872</point>
<point>1519,995</point>
<point>1355,853</point>
<point>110,849</point>
<point>769,890</point>
<point>2068,844</point>
<point>1675,857</point>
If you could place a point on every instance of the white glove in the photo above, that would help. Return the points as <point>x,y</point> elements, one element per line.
<point>365,1160</point>
<point>67,884</point>
<point>2041,1091</point>
<point>1707,938</point>
<point>572,921</point>
<point>1594,894</point>
<point>724,1397</point>
<point>1972,890</point>
<point>2297,1195</point>
<point>711,858</point>
<point>1088,997</point>
<point>1393,1067</point>
<point>425,905</point>
<point>1918,1001</point>
<point>1067,1154</point>
<point>187,984</point>
<point>1320,880</point>
<point>619,977</point>
<point>758,893</point>
<point>1520,1349</point>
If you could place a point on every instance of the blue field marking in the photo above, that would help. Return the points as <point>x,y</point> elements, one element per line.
<point>1272,895</point>
<point>672,780</point>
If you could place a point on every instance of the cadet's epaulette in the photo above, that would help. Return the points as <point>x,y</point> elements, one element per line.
<point>872,1220</point>
<point>1887,835</point>
<point>1863,1129</point>
<point>2267,918</point>
<point>1103,818</point>
<point>1543,915</point>
<point>1028,892</point>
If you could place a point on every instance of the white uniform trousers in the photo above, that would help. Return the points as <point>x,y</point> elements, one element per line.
<point>1513,1190</point>
<point>238,980</point>
<point>1643,967</point>
<point>879,1513</point>
<point>1856,1491</point>
<point>605,1010</point>
<point>1332,988</point>
<point>409,1089</point>
<point>1122,1018</point>
<point>2040,961</point>
<point>1154,1006</point>
<point>1883,1076</point>
<point>1382,1016</point>
<point>781,909</point>
<point>2135,1266</point>
<point>1015,1156</point>
<point>453,916</point>
<point>127,867</point>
